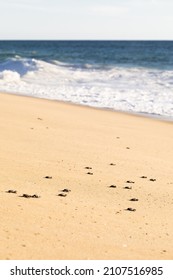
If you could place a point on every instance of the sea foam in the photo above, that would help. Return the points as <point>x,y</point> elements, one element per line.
<point>132,89</point>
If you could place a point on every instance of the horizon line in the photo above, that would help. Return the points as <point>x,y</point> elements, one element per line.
<point>86,39</point>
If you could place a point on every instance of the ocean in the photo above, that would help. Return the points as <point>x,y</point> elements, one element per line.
<point>128,76</point>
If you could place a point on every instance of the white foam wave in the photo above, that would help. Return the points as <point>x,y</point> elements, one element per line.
<point>127,89</point>
<point>9,76</point>
<point>19,65</point>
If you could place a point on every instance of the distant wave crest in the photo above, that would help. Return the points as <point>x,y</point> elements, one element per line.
<point>19,65</point>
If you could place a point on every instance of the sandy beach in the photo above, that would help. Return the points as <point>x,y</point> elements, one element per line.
<point>83,183</point>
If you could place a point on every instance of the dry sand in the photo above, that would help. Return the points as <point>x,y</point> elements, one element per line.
<point>45,138</point>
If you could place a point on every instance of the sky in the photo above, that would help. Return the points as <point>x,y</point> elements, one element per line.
<point>86,19</point>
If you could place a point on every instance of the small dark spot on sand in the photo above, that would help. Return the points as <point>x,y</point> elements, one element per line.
<point>134,199</point>
<point>48,177</point>
<point>35,196</point>
<point>127,188</point>
<point>127,148</point>
<point>66,190</point>
<point>89,173</point>
<point>130,209</point>
<point>143,177</point>
<point>130,182</point>
<point>112,186</point>
<point>11,191</point>
<point>30,196</point>
<point>152,180</point>
<point>87,167</point>
<point>62,194</point>
<point>113,164</point>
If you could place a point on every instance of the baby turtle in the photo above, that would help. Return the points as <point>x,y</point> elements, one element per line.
<point>130,182</point>
<point>143,177</point>
<point>127,187</point>
<point>152,180</point>
<point>134,199</point>
<point>11,191</point>
<point>62,194</point>
<point>89,173</point>
<point>26,195</point>
<point>113,164</point>
<point>66,190</point>
<point>130,209</point>
<point>87,167</point>
<point>35,196</point>
<point>112,186</point>
<point>30,196</point>
<point>48,177</point>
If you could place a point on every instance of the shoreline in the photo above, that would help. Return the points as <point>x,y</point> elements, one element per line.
<point>137,114</point>
<point>88,183</point>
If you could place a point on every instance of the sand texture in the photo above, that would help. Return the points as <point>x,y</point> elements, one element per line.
<point>82,183</point>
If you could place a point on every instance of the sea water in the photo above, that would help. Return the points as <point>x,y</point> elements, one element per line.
<point>130,76</point>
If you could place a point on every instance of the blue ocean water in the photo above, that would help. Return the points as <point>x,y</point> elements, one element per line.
<point>130,76</point>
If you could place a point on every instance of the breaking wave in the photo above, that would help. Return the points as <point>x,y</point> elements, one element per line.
<point>132,89</point>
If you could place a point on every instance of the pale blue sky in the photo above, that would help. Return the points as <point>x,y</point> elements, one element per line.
<point>86,19</point>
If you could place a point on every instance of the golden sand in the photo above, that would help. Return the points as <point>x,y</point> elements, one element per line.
<point>93,220</point>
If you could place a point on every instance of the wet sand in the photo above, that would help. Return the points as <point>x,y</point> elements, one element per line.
<point>83,183</point>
